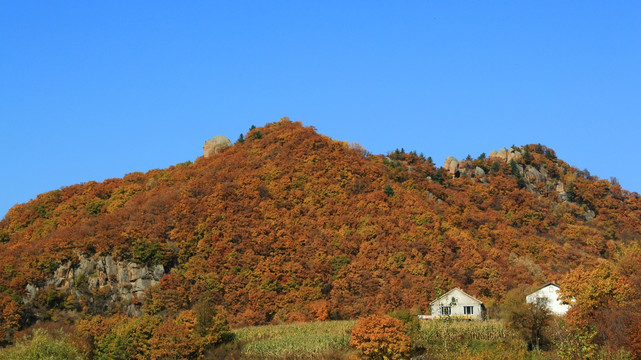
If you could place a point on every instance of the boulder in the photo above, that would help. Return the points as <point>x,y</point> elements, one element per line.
<point>513,154</point>
<point>158,272</point>
<point>451,165</point>
<point>503,154</point>
<point>216,145</point>
<point>589,215</point>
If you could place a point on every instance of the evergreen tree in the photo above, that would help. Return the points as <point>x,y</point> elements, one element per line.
<point>527,157</point>
<point>570,192</point>
<point>438,176</point>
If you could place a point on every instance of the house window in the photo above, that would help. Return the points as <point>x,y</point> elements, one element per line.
<point>468,310</point>
<point>446,310</point>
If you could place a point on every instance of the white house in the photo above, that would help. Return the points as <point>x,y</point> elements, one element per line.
<point>457,303</point>
<point>550,294</point>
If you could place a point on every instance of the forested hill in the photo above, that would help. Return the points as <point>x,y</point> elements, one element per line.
<point>291,225</point>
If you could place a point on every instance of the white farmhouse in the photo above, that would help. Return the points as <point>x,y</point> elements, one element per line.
<point>550,294</point>
<point>457,303</point>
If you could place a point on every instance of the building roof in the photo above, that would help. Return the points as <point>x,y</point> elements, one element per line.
<point>546,285</point>
<point>447,293</point>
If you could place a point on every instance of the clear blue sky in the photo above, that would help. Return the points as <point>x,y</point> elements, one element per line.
<point>95,90</point>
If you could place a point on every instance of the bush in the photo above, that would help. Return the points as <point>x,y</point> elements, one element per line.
<point>412,325</point>
<point>40,345</point>
<point>380,337</point>
<point>128,339</point>
<point>577,344</point>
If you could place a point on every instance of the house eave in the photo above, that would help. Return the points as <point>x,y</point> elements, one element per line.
<point>444,295</point>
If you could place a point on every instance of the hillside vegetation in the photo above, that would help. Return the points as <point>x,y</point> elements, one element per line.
<point>289,225</point>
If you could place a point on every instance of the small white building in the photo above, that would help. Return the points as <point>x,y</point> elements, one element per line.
<point>457,303</point>
<point>550,294</point>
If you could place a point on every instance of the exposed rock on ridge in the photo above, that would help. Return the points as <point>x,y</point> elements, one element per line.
<point>537,180</point>
<point>122,280</point>
<point>506,155</point>
<point>216,145</point>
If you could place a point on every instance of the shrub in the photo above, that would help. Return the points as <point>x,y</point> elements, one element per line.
<point>412,325</point>
<point>577,344</point>
<point>128,339</point>
<point>41,345</point>
<point>380,337</point>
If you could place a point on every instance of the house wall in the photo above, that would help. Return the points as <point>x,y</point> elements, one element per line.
<point>550,293</point>
<point>462,300</point>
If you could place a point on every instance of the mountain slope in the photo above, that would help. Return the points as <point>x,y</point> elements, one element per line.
<point>292,225</point>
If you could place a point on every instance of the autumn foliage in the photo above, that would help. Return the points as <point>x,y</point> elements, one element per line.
<point>380,337</point>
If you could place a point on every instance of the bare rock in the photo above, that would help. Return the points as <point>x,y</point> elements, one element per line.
<point>158,272</point>
<point>532,175</point>
<point>503,154</point>
<point>451,165</point>
<point>560,189</point>
<point>589,215</point>
<point>141,285</point>
<point>479,172</point>
<point>32,292</point>
<point>216,145</point>
<point>135,272</point>
<point>122,279</point>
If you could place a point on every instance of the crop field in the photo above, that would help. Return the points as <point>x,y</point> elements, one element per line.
<point>449,331</point>
<point>330,340</point>
<point>299,340</point>
<point>444,339</point>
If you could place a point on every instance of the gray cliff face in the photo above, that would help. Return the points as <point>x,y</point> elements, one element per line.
<point>120,280</point>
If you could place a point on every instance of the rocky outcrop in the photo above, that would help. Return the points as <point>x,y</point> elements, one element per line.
<point>536,179</point>
<point>216,145</point>
<point>451,165</point>
<point>560,189</point>
<point>479,173</point>
<point>87,275</point>
<point>532,175</point>
<point>505,155</point>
